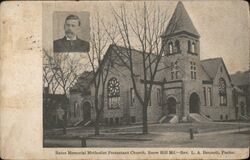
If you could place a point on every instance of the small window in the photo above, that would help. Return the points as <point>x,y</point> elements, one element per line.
<point>170,47</point>
<point>159,96</point>
<point>132,96</point>
<point>133,119</point>
<point>189,46</point>
<point>226,117</point>
<point>106,121</point>
<point>177,74</point>
<point>221,69</point>
<point>111,121</point>
<point>177,45</point>
<point>193,70</point>
<point>117,120</point>
<point>207,116</point>
<point>174,70</point>
<point>209,96</point>
<point>221,117</point>
<point>193,48</point>
<point>205,96</point>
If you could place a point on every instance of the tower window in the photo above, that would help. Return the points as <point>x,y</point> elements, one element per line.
<point>193,70</point>
<point>193,50</point>
<point>174,70</point>
<point>177,45</point>
<point>189,46</point>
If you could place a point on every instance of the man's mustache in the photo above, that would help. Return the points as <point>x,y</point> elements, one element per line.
<point>69,32</point>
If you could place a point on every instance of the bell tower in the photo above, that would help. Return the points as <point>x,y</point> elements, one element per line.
<point>182,59</point>
<point>181,44</point>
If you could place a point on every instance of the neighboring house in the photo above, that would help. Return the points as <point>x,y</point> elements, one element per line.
<point>52,103</point>
<point>241,81</point>
<point>189,87</point>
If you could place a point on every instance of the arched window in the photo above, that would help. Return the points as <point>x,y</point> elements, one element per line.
<point>189,46</point>
<point>193,48</point>
<point>170,47</point>
<point>113,93</point>
<point>177,45</point>
<point>223,92</point>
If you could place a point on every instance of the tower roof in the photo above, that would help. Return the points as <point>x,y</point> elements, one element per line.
<point>180,22</point>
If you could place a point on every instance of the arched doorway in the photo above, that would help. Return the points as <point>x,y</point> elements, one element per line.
<point>86,109</point>
<point>194,103</point>
<point>171,103</point>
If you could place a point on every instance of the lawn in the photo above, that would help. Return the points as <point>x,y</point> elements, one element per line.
<point>161,135</point>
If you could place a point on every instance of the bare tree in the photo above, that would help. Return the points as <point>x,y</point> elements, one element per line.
<point>99,66</point>
<point>48,74</point>
<point>143,27</point>
<point>60,71</point>
<point>67,69</point>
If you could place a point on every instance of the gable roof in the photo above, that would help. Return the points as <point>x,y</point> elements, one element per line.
<point>87,77</point>
<point>180,21</point>
<point>211,66</point>
<point>204,75</point>
<point>241,78</point>
<point>83,82</point>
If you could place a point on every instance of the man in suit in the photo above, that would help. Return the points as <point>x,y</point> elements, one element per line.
<point>70,42</point>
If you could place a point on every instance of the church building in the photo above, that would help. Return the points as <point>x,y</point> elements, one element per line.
<point>191,90</point>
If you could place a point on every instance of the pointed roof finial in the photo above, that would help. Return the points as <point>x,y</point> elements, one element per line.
<point>180,21</point>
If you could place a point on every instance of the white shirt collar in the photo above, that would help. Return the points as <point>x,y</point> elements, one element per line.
<point>70,39</point>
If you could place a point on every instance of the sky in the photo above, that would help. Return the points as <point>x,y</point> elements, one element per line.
<point>222,25</point>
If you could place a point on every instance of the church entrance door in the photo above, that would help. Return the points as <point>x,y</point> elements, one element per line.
<point>171,103</point>
<point>194,103</point>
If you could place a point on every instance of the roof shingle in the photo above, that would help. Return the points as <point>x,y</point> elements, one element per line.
<point>180,21</point>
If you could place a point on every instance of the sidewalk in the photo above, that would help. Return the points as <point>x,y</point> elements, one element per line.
<point>165,127</point>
